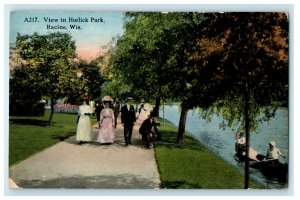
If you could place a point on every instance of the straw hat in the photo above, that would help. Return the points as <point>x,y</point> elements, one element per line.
<point>106,98</point>
<point>272,143</point>
<point>129,98</point>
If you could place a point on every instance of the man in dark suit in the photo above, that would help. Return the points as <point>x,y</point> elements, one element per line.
<point>128,119</point>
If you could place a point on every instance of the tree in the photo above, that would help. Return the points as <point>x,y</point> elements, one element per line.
<point>92,78</point>
<point>49,58</point>
<point>23,93</point>
<point>115,89</point>
<point>153,54</point>
<point>254,49</point>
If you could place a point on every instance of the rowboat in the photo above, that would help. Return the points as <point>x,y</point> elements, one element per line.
<point>270,168</point>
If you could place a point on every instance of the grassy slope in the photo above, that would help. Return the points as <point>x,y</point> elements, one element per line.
<point>191,165</point>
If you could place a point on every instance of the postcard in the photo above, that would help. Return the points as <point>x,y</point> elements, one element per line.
<point>148,100</point>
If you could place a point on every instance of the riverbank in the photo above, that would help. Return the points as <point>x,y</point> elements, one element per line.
<point>193,166</point>
<point>221,141</point>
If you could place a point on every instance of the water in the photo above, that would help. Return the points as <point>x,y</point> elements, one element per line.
<point>222,142</point>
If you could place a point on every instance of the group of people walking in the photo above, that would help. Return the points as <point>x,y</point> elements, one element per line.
<point>107,114</point>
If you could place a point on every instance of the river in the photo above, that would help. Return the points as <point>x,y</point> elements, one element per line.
<point>222,142</point>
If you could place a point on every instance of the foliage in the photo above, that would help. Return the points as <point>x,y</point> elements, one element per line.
<point>252,51</point>
<point>140,59</point>
<point>90,82</point>
<point>155,57</point>
<point>116,89</point>
<point>254,58</point>
<point>23,92</point>
<point>49,60</point>
<point>49,57</point>
<point>207,60</point>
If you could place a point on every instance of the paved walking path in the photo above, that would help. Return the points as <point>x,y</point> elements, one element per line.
<point>90,165</point>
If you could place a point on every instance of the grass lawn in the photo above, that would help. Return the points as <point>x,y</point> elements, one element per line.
<point>29,135</point>
<point>192,166</point>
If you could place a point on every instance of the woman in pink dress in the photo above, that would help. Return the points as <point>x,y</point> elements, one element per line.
<point>107,119</point>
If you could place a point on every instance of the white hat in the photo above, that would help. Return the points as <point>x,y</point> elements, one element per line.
<point>272,143</point>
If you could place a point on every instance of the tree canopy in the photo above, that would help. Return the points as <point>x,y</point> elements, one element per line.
<point>49,62</point>
<point>214,61</point>
<point>254,54</point>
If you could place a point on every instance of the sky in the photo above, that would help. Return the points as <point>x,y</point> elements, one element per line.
<point>96,28</point>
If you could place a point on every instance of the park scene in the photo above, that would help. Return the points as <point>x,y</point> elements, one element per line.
<point>149,100</point>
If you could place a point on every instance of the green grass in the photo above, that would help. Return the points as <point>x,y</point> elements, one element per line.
<point>29,135</point>
<point>192,166</point>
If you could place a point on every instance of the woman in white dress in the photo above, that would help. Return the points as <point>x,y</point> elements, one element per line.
<point>107,120</point>
<point>84,129</point>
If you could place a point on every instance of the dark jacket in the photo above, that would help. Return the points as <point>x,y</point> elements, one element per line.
<point>147,126</point>
<point>117,109</point>
<point>127,116</point>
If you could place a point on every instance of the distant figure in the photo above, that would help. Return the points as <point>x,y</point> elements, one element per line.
<point>107,119</point>
<point>141,107</point>
<point>148,130</point>
<point>273,152</point>
<point>92,104</point>
<point>127,120</point>
<point>84,129</point>
<point>142,114</point>
<point>117,106</point>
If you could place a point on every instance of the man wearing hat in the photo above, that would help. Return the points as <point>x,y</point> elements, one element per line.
<point>128,119</point>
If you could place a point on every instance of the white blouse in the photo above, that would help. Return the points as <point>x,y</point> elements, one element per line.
<point>84,109</point>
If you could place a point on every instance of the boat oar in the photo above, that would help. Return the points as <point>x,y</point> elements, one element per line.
<point>283,156</point>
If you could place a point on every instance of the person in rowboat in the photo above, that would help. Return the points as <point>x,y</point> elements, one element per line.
<point>273,152</point>
<point>240,148</point>
<point>240,145</point>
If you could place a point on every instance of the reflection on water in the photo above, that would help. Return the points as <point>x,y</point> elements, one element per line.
<point>221,141</point>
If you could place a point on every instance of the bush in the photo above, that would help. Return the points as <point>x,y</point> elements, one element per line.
<point>18,108</point>
<point>38,109</point>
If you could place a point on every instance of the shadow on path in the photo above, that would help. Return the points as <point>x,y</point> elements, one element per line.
<point>124,181</point>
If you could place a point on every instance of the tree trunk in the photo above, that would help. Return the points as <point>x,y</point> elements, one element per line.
<point>52,111</point>
<point>182,122</point>
<point>247,130</point>
<point>157,105</point>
